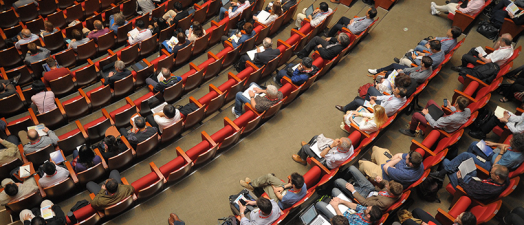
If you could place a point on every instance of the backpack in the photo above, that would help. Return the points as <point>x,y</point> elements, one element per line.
<point>489,29</point>
<point>483,117</point>
<point>428,189</point>
<point>188,108</point>
<point>485,72</point>
<point>363,90</point>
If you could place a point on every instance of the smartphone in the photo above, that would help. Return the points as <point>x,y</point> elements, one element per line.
<point>415,52</point>
<point>445,102</point>
<point>388,155</point>
<point>242,202</point>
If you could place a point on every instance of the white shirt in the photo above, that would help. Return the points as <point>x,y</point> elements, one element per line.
<point>319,17</point>
<point>257,218</point>
<point>391,103</point>
<point>515,123</point>
<point>369,126</point>
<point>60,175</point>
<point>501,55</point>
<point>337,156</point>
<point>269,19</point>
<point>165,122</point>
<point>240,8</point>
<point>143,35</point>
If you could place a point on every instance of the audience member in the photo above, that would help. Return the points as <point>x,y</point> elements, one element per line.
<point>48,29</point>
<point>327,48</point>
<point>333,152</point>
<point>143,33</point>
<point>363,215</point>
<point>261,58</point>
<point>285,194</point>
<point>84,159</point>
<point>6,88</point>
<point>34,216</point>
<point>116,20</point>
<point>182,43</point>
<point>414,57</point>
<point>276,11</point>
<point>449,123</point>
<point>25,37</point>
<point>499,13</point>
<point>140,132</point>
<point>258,102</point>
<point>111,147</point>
<point>195,32</point>
<point>286,4</point>
<point>97,32</point>
<point>249,33</point>
<point>37,142</point>
<point>20,3</point>
<point>235,9</point>
<point>297,73</point>
<point>169,116</point>
<point>370,122</point>
<point>144,6</point>
<point>339,220</point>
<point>55,72</point>
<point>355,25</point>
<point>446,43</point>
<point>172,18</point>
<point>35,53</point>
<point>44,100</point>
<point>419,73</point>
<point>404,168</point>
<point>472,8</point>
<point>503,51</point>
<point>160,83</point>
<point>16,191</point>
<point>110,193</point>
<point>465,218</point>
<point>509,120</point>
<point>53,174</point>
<point>266,213</point>
<point>9,149</point>
<point>77,40</point>
<point>316,18</point>
<point>119,73</point>
<point>390,103</point>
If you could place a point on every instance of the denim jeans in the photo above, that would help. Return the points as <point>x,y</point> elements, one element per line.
<point>240,100</point>
<point>451,168</point>
<point>422,46</point>
<point>223,12</point>
<point>362,185</point>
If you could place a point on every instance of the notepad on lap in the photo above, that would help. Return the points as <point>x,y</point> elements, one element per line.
<point>484,148</point>
<point>251,53</point>
<point>480,50</point>
<point>246,92</point>
<point>46,212</point>
<point>134,33</point>
<point>159,108</point>
<point>467,167</point>
<point>24,171</point>
<point>343,208</point>
<point>512,8</point>
<point>499,112</point>
<point>56,156</point>
<point>263,15</point>
<point>39,128</point>
<point>172,42</point>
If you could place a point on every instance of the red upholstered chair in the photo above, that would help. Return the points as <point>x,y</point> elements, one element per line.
<point>129,8</point>
<point>121,33</point>
<point>275,26</point>
<point>264,32</point>
<point>12,104</point>
<point>58,19</point>
<point>86,75</point>
<point>38,157</point>
<point>106,41</point>
<point>233,138</point>
<point>271,66</point>
<point>85,216</point>
<point>249,44</point>
<point>8,18</point>
<point>27,12</point>
<point>122,115</point>
<point>69,141</point>
<point>213,68</point>
<point>118,207</point>
<point>166,34</point>
<point>273,109</point>
<point>99,96</point>
<point>106,4</point>
<point>194,80</point>
<point>214,6</point>
<point>91,6</point>
<point>159,11</point>
<point>141,75</point>
<point>483,213</point>
<point>231,56</point>
<point>123,159</point>
<point>200,44</point>
<point>235,88</point>
<point>290,13</point>
<point>66,58</point>
<point>29,201</point>
<point>196,116</point>
<point>36,25</point>
<point>200,13</point>
<point>123,87</point>
<point>252,124</point>
<point>74,12</point>
<point>288,52</point>
<point>64,187</point>
<point>149,184</point>
<point>217,33</point>
<point>147,146</point>
<point>86,51</point>
<point>183,55</point>
<point>420,180</point>
<point>172,131</point>
<point>95,172</point>
<point>293,94</point>
<point>96,129</point>
<point>148,46</point>
<point>184,23</point>
<point>385,4</point>
<point>25,75</point>
<point>20,124</point>
<point>254,76</point>
<point>128,54</point>
<point>463,20</point>
<point>217,102</point>
<point>178,167</point>
<point>208,153</point>
<point>6,168</point>
<point>52,119</point>
<point>10,57</point>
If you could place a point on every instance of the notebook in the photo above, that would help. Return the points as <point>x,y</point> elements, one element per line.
<point>467,166</point>
<point>159,108</point>
<point>359,120</point>
<point>246,92</point>
<point>499,112</point>
<point>435,112</point>
<point>484,148</point>
<point>39,128</point>
<point>512,9</point>
<point>46,212</point>
<point>24,171</point>
<point>251,53</point>
<point>310,10</point>
<point>57,157</point>
<point>172,42</point>
<point>263,15</point>
<point>311,217</point>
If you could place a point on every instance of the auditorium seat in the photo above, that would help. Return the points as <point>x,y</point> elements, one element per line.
<point>193,81</point>
<point>128,54</point>
<point>184,23</point>
<point>86,51</point>
<point>20,124</point>
<point>7,167</point>
<point>145,147</point>
<point>171,94</point>
<point>25,75</point>
<point>200,13</point>
<point>52,119</point>
<point>178,167</point>
<point>159,11</point>
<point>122,115</point>
<point>200,44</point>
<point>129,8</point>
<point>66,58</point>
<point>196,116</point>
<point>57,19</point>
<point>54,41</point>
<point>35,25</point>
<point>166,33</point>
<point>183,55</point>
<point>96,129</point>
<point>172,131</point>
<point>93,173</point>
<point>28,202</point>
<point>123,159</point>
<point>40,156</point>
<point>91,7</point>
<point>231,56</point>
<point>270,67</point>
<point>69,141</point>
<point>217,102</point>
<point>27,12</point>
<point>106,4</point>
<point>483,213</point>
<point>85,75</point>
<point>12,104</point>
<point>10,57</point>
<point>238,87</point>
<point>148,46</point>
<point>217,33</point>
<point>121,34</point>
<point>74,12</point>
<point>99,96</point>
<point>149,184</point>
<point>64,187</point>
<point>8,18</point>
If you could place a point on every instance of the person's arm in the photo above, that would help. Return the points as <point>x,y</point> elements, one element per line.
<point>326,150</point>
<point>10,151</point>
<point>389,166</point>
<point>515,125</point>
<point>51,135</point>
<point>278,192</point>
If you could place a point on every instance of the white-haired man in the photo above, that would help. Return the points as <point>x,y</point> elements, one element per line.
<point>120,72</point>
<point>333,152</point>
<point>260,99</point>
<point>261,58</point>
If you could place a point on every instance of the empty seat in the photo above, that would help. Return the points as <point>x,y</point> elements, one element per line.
<point>86,51</point>
<point>93,173</point>
<point>74,12</point>
<point>96,129</point>
<point>25,75</point>
<point>129,8</point>
<point>121,160</point>
<point>9,57</point>
<point>217,33</point>
<point>63,85</point>
<point>62,4</point>
<point>91,6</point>
<point>69,141</point>
<point>85,75</point>
<point>8,18</point>
<point>11,104</point>
<point>213,68</point>
<point>195,116</point>
<point>58,19</point>
<point>27,12</point>
<point>99,96</point>
<point>194,80</point>
<point>171,131</point>
<point>54,41</point>
<point>35,26</point>
<point>77,106</point>
<point>129,55</point>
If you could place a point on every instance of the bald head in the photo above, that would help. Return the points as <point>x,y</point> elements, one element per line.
<point>267,43</point>
<point>98,25</point>
<point>507,36</point>
<point>26,33</point>
<point>166,72</point>
<point>32,135</point>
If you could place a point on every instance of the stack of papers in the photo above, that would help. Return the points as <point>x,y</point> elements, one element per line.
<point>499,112</point>
<point>246,92</point>
<point>39,128</point>
<point>359,120</point>
<point>467,167</point>
<point>134,33</point>
<point>234,37</point>
<point>251,53</point>
<point>172,42</point>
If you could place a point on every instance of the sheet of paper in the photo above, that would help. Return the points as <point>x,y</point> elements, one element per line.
<point>343,208</point>
<point>315,149</point>
<point>296,66</point>
<point>480,50</point>
<point>512,8</point>
<point>391,77</point>
<point>159,108</point>
<point>234,37</point>
<point>56,156</point>
<point>246,92</point>
<point>46,212</point>
<point>263,15</point>
<point>134,33</point>
<point>172,42</point>
<point>499,112</point>
<point>160,76</point>
<point>368,104</point>
<point>251,53</point>
<point>39,128</point>
<point>24,171</point>
<point>467,166</point>
<point>359,120</point>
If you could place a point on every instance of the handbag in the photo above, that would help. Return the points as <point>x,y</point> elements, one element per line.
<point>488,30</point>
<point>404,215</point>
<point>363,90</point>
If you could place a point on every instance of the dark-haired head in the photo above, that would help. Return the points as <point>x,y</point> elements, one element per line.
<point>455,32</point>
<point>140,24</point>
<point>11,189</point>
<point>86,156</point>
<point>372,12</point>
<point>49,168</point>
<point>324,7</point>
<point>264,205</point>
<point>111,185</point>
<point>297,180</point>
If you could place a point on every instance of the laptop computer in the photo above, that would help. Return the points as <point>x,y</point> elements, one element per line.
<point>310,10</point>
<point>435,112</point>
<point>56,156</point>
<point>311,217</point>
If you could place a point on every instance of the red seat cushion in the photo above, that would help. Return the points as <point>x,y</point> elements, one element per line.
<point>450,189</point>
<point>94,122</point>
<point>139,101</point>
<point>69,134</point>
<point>156,60</point>
<point>72,100</point>
<point>460,206</point>
<point>84,212</point>
<point>451,16</point>
<point>145,181</point>
<point>172,165</point>
<point>19,120</point>
<point>94,90</point>
<point>119,110</point>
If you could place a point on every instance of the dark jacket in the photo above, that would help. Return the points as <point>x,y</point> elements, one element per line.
<point>117,76</point>
<point>119,148</point>
<point>331,52</point>
<point>299,77</point>
<point>166,83</point>
<point>58,219</point>
<point>179,16</point>
<point>135,138</point>
<point>264,57</point>
<point>177,48</point>
<point>9,89</point>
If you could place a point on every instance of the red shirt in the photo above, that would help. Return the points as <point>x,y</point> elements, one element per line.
<point>55,74</point>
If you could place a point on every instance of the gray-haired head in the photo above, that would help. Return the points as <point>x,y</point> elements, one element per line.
<point>343,38</point>
<point>165,72</point>
<point>345,143</point>
<point>267,43</point>
<point>272,91</point>
<point>120,65</point>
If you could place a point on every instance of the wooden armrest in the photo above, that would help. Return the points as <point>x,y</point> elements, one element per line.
<point>259,24</point>
<point>192,66</point>
<point>420,145</point>
<point>295,31</point>
<point>346,30</point>
<point>92,196</point>
<point>19,92</point>
<point>228,121</point>
<point>197,6</point>
<point>484,171</point>
<point>124,181</point>
<point>182,154</point>
<point>104,112</point>
<point>470,78</point>
<point>84,95</point>
<point>214,23</point>
<point>444,215</point>
<point>165,52</point>
<point>489,49</point>
<point>110,52</point>
<point>214,88</point>
<point>446,134</point>
<point>480,62</point>
<point>280,42</point>
<point>322,167</point>
<point>71,172</point>
<point>307,20</point>
<point>130,102</point>
<point>33,116</point>
<point>228,44</point>
<point>147,62</point>
<point>446,110</point>
<point>248,106</point>
<point>81,128</point>
<point>211,55</point>
<point>40,189</point>
<point>104,164</point>
<point>252,65</point>
<point>2,71</point>
<point>355,127</point>
<point>60,107</point>
<point>2,34</point>
<point>6,130</point>
<point>230,75</point>
<point>90,62</point>
<point>155,169</point>
<point>22,154</point>
<point>150,87</point>
<point>196,102</point>
<point>128,145</point>
<point>208,138</point>
<point>471,99</point>
<point>102,80</point>
<point>519,111</point>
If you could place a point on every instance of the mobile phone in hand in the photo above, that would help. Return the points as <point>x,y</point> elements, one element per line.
<point>388,155</point>
<point>445,102</point>
<point>242,202</point>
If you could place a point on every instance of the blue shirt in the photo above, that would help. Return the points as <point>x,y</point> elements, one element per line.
<point>243,38</point>
<point>437,59</point>
<point>402,173</point>
<point>509,159</point>
<point>446,44</point>
<point>291,198</point>
<point>114,27</point>
<point>357,218</point>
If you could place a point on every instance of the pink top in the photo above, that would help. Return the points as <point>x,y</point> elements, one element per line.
<point>44,101</point>
<point>474,6</point>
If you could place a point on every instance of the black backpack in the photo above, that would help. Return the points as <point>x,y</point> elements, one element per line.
<point>428,189</point>
<point>188,108</point>
<point>485,72</point>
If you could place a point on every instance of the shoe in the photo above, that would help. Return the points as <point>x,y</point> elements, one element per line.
<point>477,134</point>
<point>419,133</point>
<point>372,71</point>
<point>435,4</point>
<point>434,10</point>
<point>248,180</point>
<point>343,127</point>
<point>340,108</point>
<point>299,160</point>
<point>407,132</point>
<point>456,68</point>
<point>234,113</point>
<point>447,2</point>
<point>172,218</point>
<point>397,60</point>
<point>246,185</point>
<point>436,175</point>
<point>303,143</point>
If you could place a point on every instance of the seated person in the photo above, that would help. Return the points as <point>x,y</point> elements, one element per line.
<point>172,18</point>
<point>472,8</point>
<point>44,100</point>
<point>35,53</point>
<point>9,149</point>
<point>53,174</point>
<point>20,3</point>
<point>435,53</point>
<point>286,4</point>
<point>298,76</point>
<point>363,215</point>
<point>285,194</point>
<point>6,88</point>
<point>465,218</point>
<point>328,48</point>
<point>499,13</point>
<point>333,152</point>
<point>34,216</point>
<point>37,142</point>
<point>25,37</point>
<point>449,123</point>
<point>182,43</point>
<point>145,6</point>
<point>249,33</point>
<point>266,213</point>
<point>169,116</point>
<point>84,159</point>
<point>160,83</point>
<point>48,29</point>
<point>143,33</point>
<point>383,195</point>
<point>77,40</point>
<point>54,72</point>
<point>276,11</point>
<point>503,51</point>
<point>419,73</point>
<point>119,73</point>
<point>16,191</point>
<point>446,43</point>
<point>339,219</point>
<point>111,147</point>
<point>371,121</point>
<point>97,32</point>
<point>110,193</point>
<point>510,120</point>
<point>261,58</point>
<point>515,217</point>
<point>316,18</point>
<point>404,168</point>
<point>355,25</point>
<point>259,103</point>
<point>195,32</point>
<point>115,21</point>
<point>235,9</point>
<point>391,103</point>
<point>480,189</point>
<point>140,132</point>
